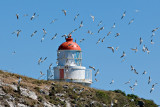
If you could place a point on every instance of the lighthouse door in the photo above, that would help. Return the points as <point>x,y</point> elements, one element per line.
<point>61,71</point>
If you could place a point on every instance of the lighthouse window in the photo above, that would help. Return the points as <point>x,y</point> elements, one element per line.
<point>70,58</point>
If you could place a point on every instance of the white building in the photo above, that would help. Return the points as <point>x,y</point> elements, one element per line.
<point>69,65</point>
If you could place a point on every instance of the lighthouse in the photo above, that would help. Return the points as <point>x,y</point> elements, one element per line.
<point>69,65</point>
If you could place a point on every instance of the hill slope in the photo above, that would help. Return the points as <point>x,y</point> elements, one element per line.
<point>40,93</point>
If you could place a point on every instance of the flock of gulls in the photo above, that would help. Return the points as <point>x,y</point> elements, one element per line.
<point>113,49</point>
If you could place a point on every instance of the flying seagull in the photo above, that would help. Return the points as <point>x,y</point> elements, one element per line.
<point>92,68</point>
<point>97,72</point>
<point>17,16</point>
<point>155,29</point>
<point>124,14</point>
<point>131,22</point>
<point>134,49</point>
<point>81,24</point>
<point>149,80</point>
<point>117,34</point>
<point>64,11</point>
<point>124,54</point>
<point>140,40</point>
<point>17,32</point>
<point>112,81</point>
<point>92,18</point>
<point>100,23</point>
<point>98,40</point>
<point>54,36</point>
<point>111,48</point>
<point>76,17</point>
<point>34,33</point>
<point>100,29</point>
<point>114,25</point>
<point>53,21</point>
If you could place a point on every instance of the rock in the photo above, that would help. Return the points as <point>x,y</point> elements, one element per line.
<point>67,103</point>
<point>2,93</point>
<point>28,93</point>
<point>47,104</point>
<point>21,105</point>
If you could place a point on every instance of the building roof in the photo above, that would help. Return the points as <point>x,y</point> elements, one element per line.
<point>69,45</point>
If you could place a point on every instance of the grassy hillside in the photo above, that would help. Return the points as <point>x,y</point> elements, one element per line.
<point>32,92</point>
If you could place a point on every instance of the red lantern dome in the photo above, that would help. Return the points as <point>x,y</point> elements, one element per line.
<point>69,45</point>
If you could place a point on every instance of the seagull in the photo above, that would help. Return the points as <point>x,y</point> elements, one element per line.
<point>117,48</point>
<point>92,18</point>
<point>112,81</point>
<point>50,66</point>
<point>42,38</point>
<point>111,48</point>
<point>17,32</point>
<point>144,72</point>
<point>108,33</point>
<point>17,16</point>
<point>100,23</point>
<point>132,68</point>
<point>41,74</point>
<point>82,40</point>
<point>154,84</point>
<point>76,17</point>
<point>53,21</point>
<point>152,42</point>
<point>97,72</point>
<point>98,40</point>
<point>124,14</point>
<point>96,80</point>
<point>135,71</point>
<point>155,29</point>
<point>132,88</point>
<point>90,32</point>
<point>40,60</point>
<point>128,82</point>
<point>103,39</point>
<point>14,52</point>
<point>144,48</point>
<point>33,16</point>
<point>34,33</point>
<point>114,25</point>
<point>44,31</point>
<point>135,84</point>
<point>64,11</point>
<point>19,80</point>
<point>100,29</point>
<point>131,22</point>
<point>54,36</point>
<point>153,34</point>
<point>149,80</point>
<point>134,49</point>
<point>140,40</point>
<point>64,35</point>
<point>124,54</point>
<point>92,68</point>
<point>44,59</point>
<point>117,34</point>
<point>81,24</point>
<point>151,89</point>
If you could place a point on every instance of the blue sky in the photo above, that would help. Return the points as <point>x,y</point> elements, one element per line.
<point>29,50</point>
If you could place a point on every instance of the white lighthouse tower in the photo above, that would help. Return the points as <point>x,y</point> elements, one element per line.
<point>69,65</point>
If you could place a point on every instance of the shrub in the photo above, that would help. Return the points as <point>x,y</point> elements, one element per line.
<point>119,91</point>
